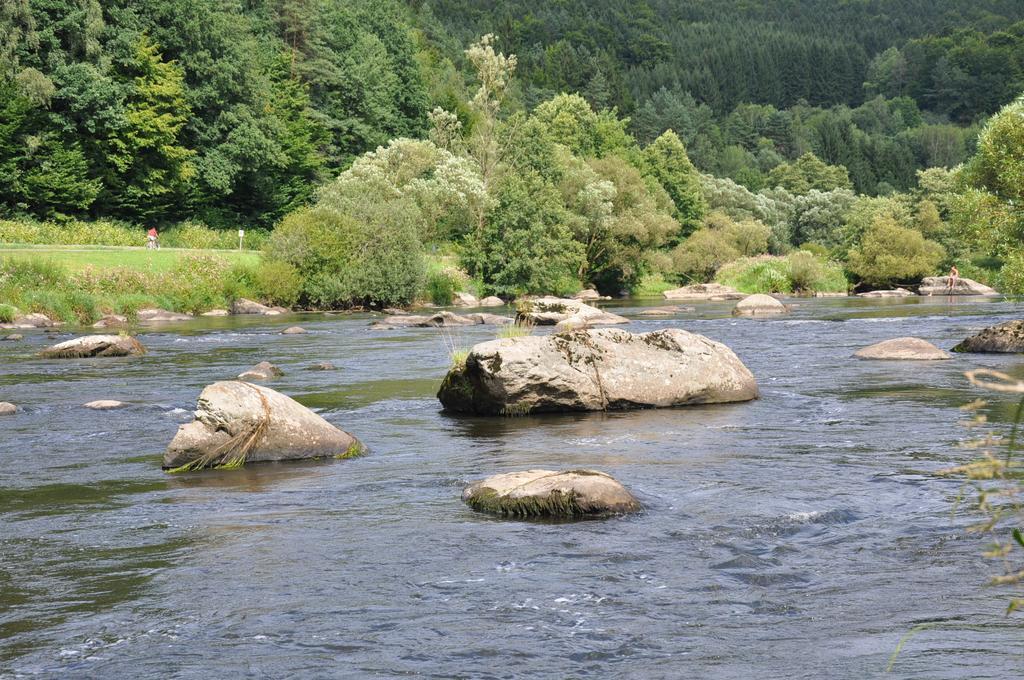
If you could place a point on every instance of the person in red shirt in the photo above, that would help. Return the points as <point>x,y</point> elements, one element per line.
<point>153,238</point>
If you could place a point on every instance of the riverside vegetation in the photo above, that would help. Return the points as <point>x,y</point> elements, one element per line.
<point>390,165</point>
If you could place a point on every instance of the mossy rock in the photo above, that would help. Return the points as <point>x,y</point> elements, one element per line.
<point>564,494</point>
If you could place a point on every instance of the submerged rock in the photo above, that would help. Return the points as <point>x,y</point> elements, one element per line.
<point>1006,338</point>
<point>461,299</point>
<point>491,301</point>
<point>238,422</point>
<point>658,311</point>
<point>95,346</point>
<point>551,311</point>
<point>294,330</point>
<point>440,320</point>
<point>939,285</point>
<point>244,306</point>
<point>7,408</point>
<point>704,291</point>
<point>896,293</point>
<point>547,493</point>
<point>157,315</point>
<point>594,370</point>
<point>322,366</point>
<point>14,337</point>
<point>105,404</point>
<point>216,312</point>
<point>759,305</point>
<point>905,349</point>
<point>262,371</point>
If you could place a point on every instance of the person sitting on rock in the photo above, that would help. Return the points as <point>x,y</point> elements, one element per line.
<point>954,279</point>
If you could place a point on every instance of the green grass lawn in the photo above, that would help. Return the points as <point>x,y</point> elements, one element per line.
<point>77,258</point>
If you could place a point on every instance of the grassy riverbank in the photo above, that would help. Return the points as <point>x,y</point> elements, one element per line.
<point>80,258</point>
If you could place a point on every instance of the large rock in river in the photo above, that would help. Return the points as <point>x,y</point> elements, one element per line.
<point>1005,338</point>
<point>7,408</point>
<point>161,315</point>
<point>443,319</point>
<point>238,422</point>
<point>594,370</point>
<point>759,305</point>
<point>704,291</point>
<point>95,346</point>
<point>262,371</point>
<point>894,293</point>
<point>903,349</point>
<point>547,493</point>
<point>939,285</point>
<point>461,299</point>
<point>549,311</point>
<point>244,306</point>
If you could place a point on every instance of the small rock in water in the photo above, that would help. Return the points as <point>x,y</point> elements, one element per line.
<point>261,371</point>
<point>704,291</point>
<point>293,330</point>
<point>906,349</point>
<point>105,404</point>
<point>547,493</point>
<point>14,337</point>
<point>461,299</point>
<point>156,315</point>
<point>7,408</point>
<point>243,306</point>
<point>322,366</point>
<point>491,301</point>
<point>95,346</point>
<point>658,311</point>
<point>759,305</point>
<point>216,312</point>
<point>111,320</point>
<point>238,423</point>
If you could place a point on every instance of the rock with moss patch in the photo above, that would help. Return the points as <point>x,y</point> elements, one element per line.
<point>262,371</point>
<point>95,346</point>
<point>322,366</point>
<point>111,321</point>
<point>161,315</point>
<point>903,349</point>
<point>549,493</point>
<point>550,311</point>
<point>238,422</point>
<point>7,408</point>
<point>594,370</point>
<point>759,305</point>
<point>939,285</point>
<point>1004,338</point>
<point>14,337</point>
<point>713,292</point>
<point>244,306</point>
<point>29,321</point>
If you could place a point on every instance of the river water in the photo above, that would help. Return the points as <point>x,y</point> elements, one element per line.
<point>797,536</point>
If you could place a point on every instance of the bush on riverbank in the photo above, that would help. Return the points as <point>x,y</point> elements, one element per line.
<point>798,272</point>
<point>193,235</point>
<point>195,284</point>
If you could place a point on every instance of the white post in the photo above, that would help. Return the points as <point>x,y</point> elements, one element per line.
<point>241,234</point>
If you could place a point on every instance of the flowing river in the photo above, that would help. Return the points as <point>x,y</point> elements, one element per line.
<point>797,536</point>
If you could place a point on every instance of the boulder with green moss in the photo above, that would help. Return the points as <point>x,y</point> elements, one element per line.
<point>95,346</point>
<point>551,311</point>
<point>595,370</point>
<point>549,493</point>
<point>1004,338</point>
<point>238,422</point>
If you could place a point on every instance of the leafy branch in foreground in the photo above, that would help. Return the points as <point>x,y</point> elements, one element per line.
<point>998,479</point>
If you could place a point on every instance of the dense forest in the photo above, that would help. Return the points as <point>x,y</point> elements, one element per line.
<point>626,144</point>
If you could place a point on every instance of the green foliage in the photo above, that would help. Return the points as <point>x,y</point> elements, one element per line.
<point>110,233</point>
<point>372,258</point>
<point>1011,275</point>
<point>525,246</point>
<point>720,240</point>
<point>762,274</point>
<point>7,313</point>
<point>798,272</point>
<point>441,287</point>
<point>809,172</point>
<point>666,161</point>
<point>891,254</point>
<point>278,283</point>
<point>651,285</point>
